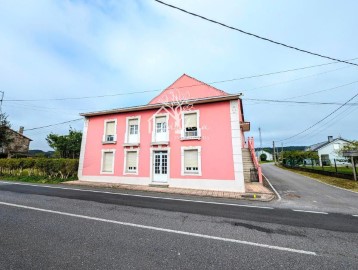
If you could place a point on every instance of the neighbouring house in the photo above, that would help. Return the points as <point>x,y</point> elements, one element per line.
<point>19,143</point>
<point>269,156</point>
<point>189,136</point>
<point>329,151</point>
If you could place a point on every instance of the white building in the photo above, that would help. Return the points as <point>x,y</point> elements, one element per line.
<point>329,151</point>
<point>269,156</point>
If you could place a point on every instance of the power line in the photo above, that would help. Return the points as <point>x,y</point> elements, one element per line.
<point>315,124</point>
<point>300,102</point>
<point>254,35</point>
<point>54,124</point>
<point>194,85</point>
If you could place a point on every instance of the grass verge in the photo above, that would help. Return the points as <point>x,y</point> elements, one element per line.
<point>338,182</point>
<point>35,179</point>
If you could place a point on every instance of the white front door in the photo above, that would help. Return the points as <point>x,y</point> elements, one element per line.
<point>160,166</point>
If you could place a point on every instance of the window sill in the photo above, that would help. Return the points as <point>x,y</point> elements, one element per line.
<point>191,174</point>
<point>160,143</point>
<point>131,144</point>
<point>198,138</point>
<point>130,173</point>
<point>106,172</point>
<point>109,142</point>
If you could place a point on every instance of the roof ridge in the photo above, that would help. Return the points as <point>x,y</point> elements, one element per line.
<point>186,75</point>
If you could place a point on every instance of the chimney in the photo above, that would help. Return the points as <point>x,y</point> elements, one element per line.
<point>330,138</point>
<point>21,130</point>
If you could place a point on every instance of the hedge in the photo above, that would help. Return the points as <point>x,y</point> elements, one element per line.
<point>50,168</point>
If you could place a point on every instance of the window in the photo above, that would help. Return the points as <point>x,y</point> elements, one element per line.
<point>107,161</point>
<point>191,160</point>
<point>109,131</point>
<point>133,130</point>
<point>133,126</point>
<point>131,162</point>
<point>190,124</point>
<point>161,124</point>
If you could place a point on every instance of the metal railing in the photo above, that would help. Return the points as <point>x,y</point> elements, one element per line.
<point>251,145</point>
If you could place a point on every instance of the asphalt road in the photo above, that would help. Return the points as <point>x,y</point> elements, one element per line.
<point>298,191</point>
<point>56,228</point>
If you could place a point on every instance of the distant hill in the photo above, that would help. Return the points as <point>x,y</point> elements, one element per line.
<point>286,148</point>
<point>36,152</point>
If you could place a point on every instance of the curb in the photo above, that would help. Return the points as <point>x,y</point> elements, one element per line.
<point>258,197</point>
<point>272,188</point>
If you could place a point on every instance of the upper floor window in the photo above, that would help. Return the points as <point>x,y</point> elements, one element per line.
<point>191,124</point>
<point>110,135</point>
<point>133,130</point>
<point>161,132</point>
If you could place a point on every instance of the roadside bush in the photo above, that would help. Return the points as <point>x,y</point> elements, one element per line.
<point>263,157</point>
<point>46,168</point>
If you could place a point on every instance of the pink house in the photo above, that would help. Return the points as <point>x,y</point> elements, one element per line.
<point>190,136</point>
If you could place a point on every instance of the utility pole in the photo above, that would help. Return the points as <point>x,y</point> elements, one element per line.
<point>282,152</point>
<point>260,144</point>
<point>1,100</point>
<point>274,152</point>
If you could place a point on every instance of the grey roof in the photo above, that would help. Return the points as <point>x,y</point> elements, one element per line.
<point>317,146</point>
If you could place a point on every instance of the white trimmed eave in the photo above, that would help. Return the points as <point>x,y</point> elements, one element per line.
<point>159,105</point>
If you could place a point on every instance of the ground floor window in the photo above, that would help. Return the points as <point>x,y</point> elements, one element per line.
<point>191,161</point>
<point>107,162</point>
<point>131,163</point>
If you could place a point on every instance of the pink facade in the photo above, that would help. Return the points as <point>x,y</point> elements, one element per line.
<point>193,144</point>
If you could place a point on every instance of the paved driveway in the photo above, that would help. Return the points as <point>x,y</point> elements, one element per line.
<point>301,192</point>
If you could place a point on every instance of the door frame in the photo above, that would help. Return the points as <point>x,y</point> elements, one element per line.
<point>152,150</point>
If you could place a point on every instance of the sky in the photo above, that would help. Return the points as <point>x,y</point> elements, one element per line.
<point>80,48</point>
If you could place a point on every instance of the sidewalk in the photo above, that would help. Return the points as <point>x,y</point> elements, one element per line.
<point>254,191</point>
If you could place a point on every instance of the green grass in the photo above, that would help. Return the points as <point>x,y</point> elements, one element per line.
<point>35,179</point>
<point>266,161</point>
<point>338,182</point>
<point>331,169</point>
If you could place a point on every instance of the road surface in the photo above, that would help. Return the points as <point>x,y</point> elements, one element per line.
<point>300,192</point>
<point>60,227</point>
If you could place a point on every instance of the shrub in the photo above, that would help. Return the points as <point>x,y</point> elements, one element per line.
<point>45,167</point>
<point>263,157</point>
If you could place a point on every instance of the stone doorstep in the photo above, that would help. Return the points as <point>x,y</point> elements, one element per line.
<point>252,195</point>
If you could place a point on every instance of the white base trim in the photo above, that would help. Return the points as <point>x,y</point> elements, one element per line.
<point>202,184</point>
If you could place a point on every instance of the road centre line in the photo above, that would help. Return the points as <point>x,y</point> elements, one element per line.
<point>163,229</point>
<point>143,196</point>
<point>308,211</point>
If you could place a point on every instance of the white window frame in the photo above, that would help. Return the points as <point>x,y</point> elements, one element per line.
<point>125,172</point>
<point>184,148</point>
<point>113,162</point>
<point>183,137</point>
<point>154,129</point>
<point>104,137</point>
<point>126,136</point>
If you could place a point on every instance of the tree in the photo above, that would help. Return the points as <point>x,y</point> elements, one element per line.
<point>263,157</point>
<point>66,146</point>
<point>5,135</point>
<point>353,146</point>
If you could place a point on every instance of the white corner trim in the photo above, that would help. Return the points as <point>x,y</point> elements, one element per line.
<point>83,148</point>
<point>104,131</point>
<point>125,161</point>
<point>182,171</point>
<point>113,161</point>
<point>236,143</point>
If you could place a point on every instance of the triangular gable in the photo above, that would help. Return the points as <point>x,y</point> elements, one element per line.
<point>185,88</point>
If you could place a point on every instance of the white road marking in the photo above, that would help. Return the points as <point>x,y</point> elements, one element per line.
<point>355,215</point>
<point>143,196</point>
<point>313,212</point>
<point>274,190</point>
<point>163,229</point>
